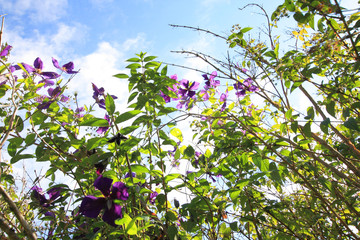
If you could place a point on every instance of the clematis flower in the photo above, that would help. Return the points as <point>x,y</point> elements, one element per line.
<point>223,99</point>
<point>53,95</point>
<point>68,67</point>
<point>99,96</point>
<point>39,196</point>
<point>187,89</point>
<point>210,82</point>
<point>37,69</point>
<point>153,196</point>
<point>205,95</point>
<point>5,51</point>
<point>91,206</point>
<point>102,130</point>
<point>165,97</point>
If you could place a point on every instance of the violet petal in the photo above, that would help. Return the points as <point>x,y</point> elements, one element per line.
<point>103,184</point>
<point>110,215</point>
<point>91,206</point>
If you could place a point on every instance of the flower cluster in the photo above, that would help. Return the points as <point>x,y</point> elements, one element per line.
<point>243,87</point>
<point>184,90</point>
<point>99,96</point>
<point>210,83</point>
<point>39,196</point>
<point>91,206</point>
<point>46,101</point>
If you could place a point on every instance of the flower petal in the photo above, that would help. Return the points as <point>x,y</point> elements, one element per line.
<point>56,63</point>
<point>119,191</point>
<point>54,193</point>
<point>110,215</point>
<point>5,51</point>
<point>38,64</point>
<point>39,195</point>
<point>91,206</point>
<point>103,184</point>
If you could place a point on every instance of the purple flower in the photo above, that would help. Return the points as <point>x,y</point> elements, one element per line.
<point>223,99</point>
<point>128,175</point>
<point>47,82</point>
<point>248,82</point>
<point>241,93</point>
<point>210,82</point>
<point>54,93</point>
<point>5,51</point>
<point>68,67</point>
<point>187,89</point>
<point>37,69</point>
<point>13,68</point>
<point>99,96</point>
<point>238,86</point>
<point>40,197</point>
<point>102,130</point>
<point>197,156</point>
<point>253,88</point>
<point>247,85</point>
<point>205,95</point>
<point>78,111</point>
<point>91,206</point>
<point>153,196</point>
<point>165,97</point>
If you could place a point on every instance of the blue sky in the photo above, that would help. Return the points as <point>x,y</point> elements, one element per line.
<point>99,35</point>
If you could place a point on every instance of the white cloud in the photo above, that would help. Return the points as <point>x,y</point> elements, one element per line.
<point>99,68</point>
<point>37,10</point>
<point>27,48</point>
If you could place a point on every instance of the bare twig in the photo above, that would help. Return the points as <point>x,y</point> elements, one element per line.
<point>28,230</point>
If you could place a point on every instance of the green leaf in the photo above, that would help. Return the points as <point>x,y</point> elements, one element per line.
<point>330,108</point>
<point>307,129</point>
<point>244,30</point>
<point>134,66</point>
<point>310,113</point>
<point>131,228</point>
<point>189,152</point>
<point>133,60</point>
<point>121,75</point>
<point>177,133</point>
<point>324,125</point>
<point>139,169</point>
<point>172,232</point>
<point>127,115</point>
<point>95,142</point>
<point>109,104</point>
<point>334,24</point>
<point>95,122</point>
<point>128,130</point>
<point>294,126</point>
<point>351,123</point>
<point>30,139</point>
<point>172,176</point>
<point>149,58</point>
<point>132,96</point>
<point>18,157</point>
<point>38,117</point>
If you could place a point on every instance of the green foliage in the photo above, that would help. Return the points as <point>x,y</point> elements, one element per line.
<point>284,167</point>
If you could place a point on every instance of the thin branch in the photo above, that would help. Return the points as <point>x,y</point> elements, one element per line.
<point>10,232</point>
<point>198,29</point>
<point>28,230</point>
